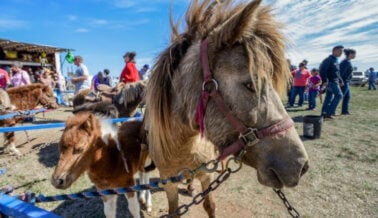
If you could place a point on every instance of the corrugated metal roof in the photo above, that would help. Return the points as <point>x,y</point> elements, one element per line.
<point>6,44</point>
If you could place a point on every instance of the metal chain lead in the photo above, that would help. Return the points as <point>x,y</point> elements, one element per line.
<point>208,167</point>
<point>292,211</point>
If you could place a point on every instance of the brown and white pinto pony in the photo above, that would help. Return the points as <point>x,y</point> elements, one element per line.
<point>126,97</point>
<point>110,157</point>
<point>238,49</point>
<point>24,98</point>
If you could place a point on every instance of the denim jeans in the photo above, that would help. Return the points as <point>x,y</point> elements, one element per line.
<point>332,99</point>
<point>297,90</point>
<point>371,85</point>
<point>312,98</point>
<point>346,93</point>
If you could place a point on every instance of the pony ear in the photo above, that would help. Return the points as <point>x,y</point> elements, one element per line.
<point>88,124</point>
<point>237,26</point>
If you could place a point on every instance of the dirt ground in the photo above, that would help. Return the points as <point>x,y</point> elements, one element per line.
<point>341,187</point>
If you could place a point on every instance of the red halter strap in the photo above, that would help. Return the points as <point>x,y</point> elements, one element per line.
<point>247,136</point>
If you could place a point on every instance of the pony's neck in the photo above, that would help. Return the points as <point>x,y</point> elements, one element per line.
<point>106,160</point>
<point>181,142</point>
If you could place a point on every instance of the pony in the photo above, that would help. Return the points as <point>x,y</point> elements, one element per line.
<point>23,98</point>
<point>220,80</point>
<point>104,108</point>
<point>5,108</point>
<point>111,158</point>
<point>30,96</point>
<point>126,97</point>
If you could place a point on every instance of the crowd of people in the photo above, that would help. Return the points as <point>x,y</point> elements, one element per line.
<point>332,78</point>
<point>130,73</point>
<point>16,75</point>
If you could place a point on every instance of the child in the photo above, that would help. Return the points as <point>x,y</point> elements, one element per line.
<point>314,88</point>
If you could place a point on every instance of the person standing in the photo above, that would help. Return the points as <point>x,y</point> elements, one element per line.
<point>143,73</point>
<point>81,78</point>
<point>299,84</point>
<point>346,70</point>
<point>47,79</point>
<point>372,78</point>
<point>107,78</point>
<point>4,79</point>
<point>330,74</point>
<point>313,88</point>
<point>19,77</point>
<point>306,94</point>
<point>97,80</point>
<point>130,72</point>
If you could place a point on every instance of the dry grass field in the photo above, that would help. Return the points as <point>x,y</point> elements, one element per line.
<point>342,180</point>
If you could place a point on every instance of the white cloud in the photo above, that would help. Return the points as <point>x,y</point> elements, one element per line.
<point>314,27</point>
<point>81,30</point>
<point>100,22</point>
<point>71,17</point>
<point>144,60</point>
<point>124,3</point>
<point>10,24</point>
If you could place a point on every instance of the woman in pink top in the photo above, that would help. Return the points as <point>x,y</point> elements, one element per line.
<point>19,76</point>
<point>314,87</point>
<point>4,79</point>
<point>299,84</point>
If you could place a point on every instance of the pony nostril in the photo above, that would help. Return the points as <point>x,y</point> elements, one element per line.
<point>305,168</point>
<point>60,182</point>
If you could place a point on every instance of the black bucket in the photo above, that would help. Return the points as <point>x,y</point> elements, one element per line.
<point>312,126</point>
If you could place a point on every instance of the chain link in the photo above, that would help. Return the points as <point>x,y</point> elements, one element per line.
<point>210,166</point>
<point>292,211</point>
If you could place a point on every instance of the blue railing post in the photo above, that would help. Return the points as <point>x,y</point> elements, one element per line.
<point>10,206</point>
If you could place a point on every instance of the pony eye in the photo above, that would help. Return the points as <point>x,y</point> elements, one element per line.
<point>249,86</point>
<point>77,150</point>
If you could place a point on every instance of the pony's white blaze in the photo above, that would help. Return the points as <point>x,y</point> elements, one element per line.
<point>107,130</point>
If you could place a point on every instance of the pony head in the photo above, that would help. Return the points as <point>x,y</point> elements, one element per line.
<point>47,98</point>
<point>77,148</point>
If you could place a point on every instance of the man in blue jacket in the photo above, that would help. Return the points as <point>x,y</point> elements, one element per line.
<point>372,78</point>
<point>346,70</point>
<point>330,73</point>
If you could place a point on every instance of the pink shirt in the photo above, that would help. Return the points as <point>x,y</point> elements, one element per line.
<point>300,77</point>
<point>314,83</point>
<point>4,78</point>
<point>20,78</point>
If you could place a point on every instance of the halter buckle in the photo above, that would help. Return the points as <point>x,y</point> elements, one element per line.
<point>205,83</point>
<point>250,137</point>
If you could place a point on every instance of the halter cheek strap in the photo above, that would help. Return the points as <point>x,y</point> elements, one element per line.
<point>247,136</point>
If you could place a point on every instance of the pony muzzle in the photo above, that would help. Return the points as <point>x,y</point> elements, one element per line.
<point>61,182</point>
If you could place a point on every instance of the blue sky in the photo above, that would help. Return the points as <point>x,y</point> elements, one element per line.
<point>103,30</point>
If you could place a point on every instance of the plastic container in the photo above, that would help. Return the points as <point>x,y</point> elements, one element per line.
<point>312,126</point>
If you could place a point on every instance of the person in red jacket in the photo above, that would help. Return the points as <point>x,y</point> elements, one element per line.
<point>299,84</point>
<point>130,72</point>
